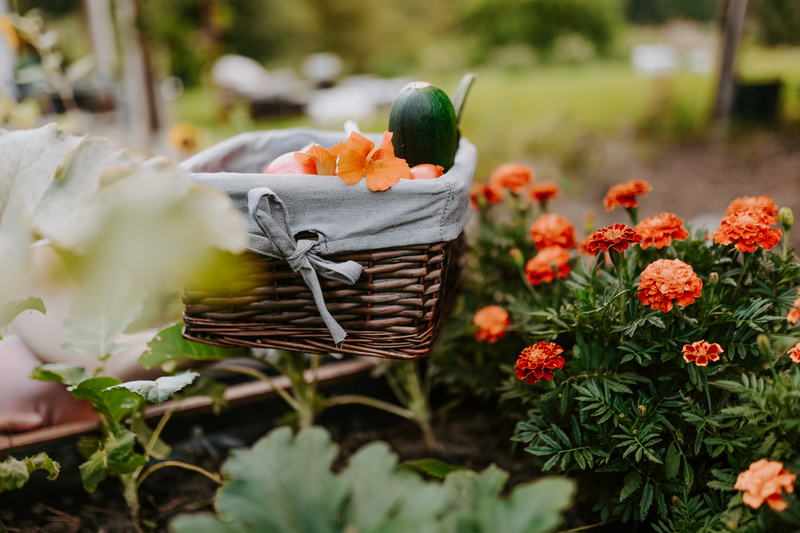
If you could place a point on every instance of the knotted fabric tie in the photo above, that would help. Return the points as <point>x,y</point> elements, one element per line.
<point>278,241</point>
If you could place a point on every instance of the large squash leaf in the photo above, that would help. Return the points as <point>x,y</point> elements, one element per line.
<point>285,484</point>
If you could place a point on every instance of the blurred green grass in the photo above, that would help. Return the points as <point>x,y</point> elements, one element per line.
<point>547,109</point>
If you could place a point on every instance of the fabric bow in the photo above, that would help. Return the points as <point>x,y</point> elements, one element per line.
<point>269,212</point>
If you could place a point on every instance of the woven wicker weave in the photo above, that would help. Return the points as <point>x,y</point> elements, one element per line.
<point>395,310</point>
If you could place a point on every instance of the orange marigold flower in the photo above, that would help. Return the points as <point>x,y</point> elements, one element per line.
<point>583,247</point>
<point>625,194</point>
<point>794,313</point>
<point>748,229</point>
<point>659,231</point>
<point>540,268</point>
<point>669,281</point>
<point>544,191</point>
<point>361,158</point>
<point>552,230</point>
<point>764,203</point>
<point>492,322</point>
<point>794,353</point>
<point>616,236</point>
<point>764,481</point>
<point>512,176</point>
<point>323,159</point>
<point>488,191</point>
<point>701,352</point>
<point>538,361</point>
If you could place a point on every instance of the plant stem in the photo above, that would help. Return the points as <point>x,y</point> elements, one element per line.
<point>159,428</point>
<point>130,492</point>
<point>704,379</point>
<point>179,464</point>
<point>293,403</point>
<point>372,402</point>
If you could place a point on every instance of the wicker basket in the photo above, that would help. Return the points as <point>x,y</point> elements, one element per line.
<point>395,310</point>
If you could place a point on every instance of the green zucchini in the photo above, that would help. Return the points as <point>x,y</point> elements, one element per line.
<point>424,127</point>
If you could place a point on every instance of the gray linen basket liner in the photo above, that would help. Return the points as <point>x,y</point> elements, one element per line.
<point>345,218</point>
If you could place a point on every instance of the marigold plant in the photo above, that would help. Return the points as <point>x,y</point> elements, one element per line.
<point>552,230</point>
<point>669,281</point>
<point>659,231</point>
<point>547,264</point>
<point>701,352</point>
<point>765,481</point>
<point>543,192</point>
<point>626,194</point>
<point>492,322</point>
<point>648,410</point>
<point>538,361</point>
<point>512,176</point>
<point>748,229</point>
<point>616,236</point>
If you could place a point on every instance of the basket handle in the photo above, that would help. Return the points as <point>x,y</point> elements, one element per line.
<point>269,212</point>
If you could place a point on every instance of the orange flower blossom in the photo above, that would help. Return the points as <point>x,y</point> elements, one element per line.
<point>625,194</point>
<point>544,191</point>
<point>764,203</point>
<point>794,353</point>
<point>492,322</point>
<point>361,158</point>
<point>748,229</point>
<point>669,281</point>
<point>539,269</point>
<point>583,247</point>
<point>552,230</point>
<point>701,352</point>
<point>323,158</point>
<point>794,312</point>
<point>538,361</point>
<point>764,481</point>
<point>659,231</point>
<point>491,193</point>
<point>616,236</point>
<point>512,176</point>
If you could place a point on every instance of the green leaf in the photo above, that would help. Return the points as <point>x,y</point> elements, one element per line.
<point>12,310</point>
<point>169,345</point>
<point>275,485</point>
<point>67,373</point>
<point>161,389</point>
<point>103,308</point>
<point>114,403</point>
<point>14,473</point>
<point>632,483</point>
<point>93,471</point>
<point>672,461</point>
<point>646,502</point>
<point>431,467</point>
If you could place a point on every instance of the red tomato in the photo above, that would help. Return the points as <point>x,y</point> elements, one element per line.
<point>285,164</point>
<point>426,171</point>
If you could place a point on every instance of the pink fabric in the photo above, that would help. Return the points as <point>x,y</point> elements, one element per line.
<point>22,397</point>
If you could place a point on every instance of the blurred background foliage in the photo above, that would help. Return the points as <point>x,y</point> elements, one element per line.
<point>554,75</point>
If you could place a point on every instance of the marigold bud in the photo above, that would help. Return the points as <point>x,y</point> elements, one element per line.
<point>786,217</point>
<point>764,345</point>
<point>641,410</point>
<point>516,255</point>
<point>713,278</point>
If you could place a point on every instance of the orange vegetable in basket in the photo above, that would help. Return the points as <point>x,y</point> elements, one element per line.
<point>286,164</point>
<point>426,171</point>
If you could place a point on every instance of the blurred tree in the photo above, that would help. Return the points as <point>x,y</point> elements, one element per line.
<point>778,21</point>
<point>539,23</point>
<point>660,11</point>
<point>55,8</point>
